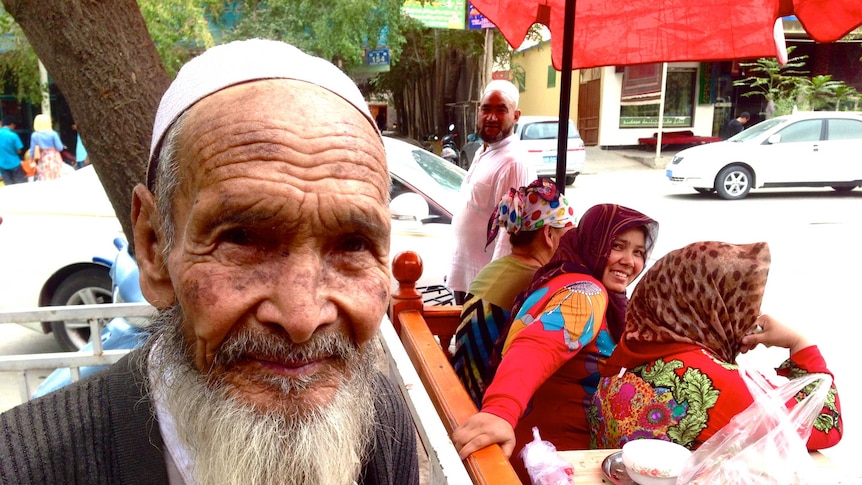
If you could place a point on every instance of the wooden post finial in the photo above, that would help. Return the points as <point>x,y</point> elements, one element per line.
<point>407,269</point>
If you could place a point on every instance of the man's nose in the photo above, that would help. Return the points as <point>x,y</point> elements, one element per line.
<point>297,300</point>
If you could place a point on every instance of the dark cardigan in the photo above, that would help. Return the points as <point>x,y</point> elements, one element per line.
<point>102,430</point>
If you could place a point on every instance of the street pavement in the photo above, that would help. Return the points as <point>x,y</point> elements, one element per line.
<point>602,160</point>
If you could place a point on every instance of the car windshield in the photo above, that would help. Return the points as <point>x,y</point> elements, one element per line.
<point>442,171</point>
<point>436,178</point>
<point>756,130</point>
<point>546,130</point>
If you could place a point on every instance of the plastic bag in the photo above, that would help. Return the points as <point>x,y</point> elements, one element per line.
<point>765,443</point>
<point>544,464</point>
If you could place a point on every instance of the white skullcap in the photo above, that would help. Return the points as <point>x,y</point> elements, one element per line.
<point>505,87</point>
<point>238,62</point>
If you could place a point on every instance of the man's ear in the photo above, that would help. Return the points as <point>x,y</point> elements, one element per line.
<point>154,277</point>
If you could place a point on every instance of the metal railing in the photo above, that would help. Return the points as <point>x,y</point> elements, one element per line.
<point>93,314</point>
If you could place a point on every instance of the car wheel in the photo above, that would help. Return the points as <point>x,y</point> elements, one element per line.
<point>703,190</point>
<point>570,179</point>
<point>733,182</point>
<point>843,188</point>
<point>86,287</point>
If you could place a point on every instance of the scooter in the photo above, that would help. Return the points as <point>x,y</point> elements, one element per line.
<point>120,332</point>
<point>449,146</point>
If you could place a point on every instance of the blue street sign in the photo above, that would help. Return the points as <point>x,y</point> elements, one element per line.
<point>377,57</point>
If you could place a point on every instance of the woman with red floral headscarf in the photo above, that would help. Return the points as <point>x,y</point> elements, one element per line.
<point>567,320</point>
<point>673,375</point>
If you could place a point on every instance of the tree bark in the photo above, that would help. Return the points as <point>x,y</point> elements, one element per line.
<point>101,56</point>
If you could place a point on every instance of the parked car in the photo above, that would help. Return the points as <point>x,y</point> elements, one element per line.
<point>57,236</point>
<point>539,135</point>
<point>806,149</point>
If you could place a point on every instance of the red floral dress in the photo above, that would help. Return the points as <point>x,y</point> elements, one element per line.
<point>677,398</point>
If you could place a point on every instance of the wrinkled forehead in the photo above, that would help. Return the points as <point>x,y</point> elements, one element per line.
<point>302,131</point>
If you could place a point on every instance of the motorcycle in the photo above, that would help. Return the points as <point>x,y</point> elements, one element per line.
<point>449,146</point>
<point>120,332</point>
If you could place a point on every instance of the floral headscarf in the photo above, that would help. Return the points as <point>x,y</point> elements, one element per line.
<point>586,249</point>
<point>531,208</point>
<point>706,294</point>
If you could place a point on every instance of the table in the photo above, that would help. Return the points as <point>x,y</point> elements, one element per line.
<point>588,467</point>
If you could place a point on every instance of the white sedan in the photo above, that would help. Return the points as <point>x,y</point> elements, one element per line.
<point>57,236</point>
<point>806,149</point>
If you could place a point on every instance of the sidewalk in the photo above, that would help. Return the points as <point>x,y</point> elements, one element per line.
<point>600,159</point>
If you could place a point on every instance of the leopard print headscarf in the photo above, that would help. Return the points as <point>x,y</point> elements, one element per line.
<point>707,294</point>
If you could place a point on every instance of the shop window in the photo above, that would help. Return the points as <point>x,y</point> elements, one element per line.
<point>679,101</point>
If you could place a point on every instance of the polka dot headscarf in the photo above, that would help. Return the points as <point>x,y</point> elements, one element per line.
<point>531,208</point>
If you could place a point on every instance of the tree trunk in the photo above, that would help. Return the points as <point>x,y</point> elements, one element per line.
<point>101,56</point>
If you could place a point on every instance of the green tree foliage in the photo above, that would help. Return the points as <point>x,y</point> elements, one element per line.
<point>788,86</point>
<point>178,28</point>
<point>338,30</point>
<point>846,98</point>
<point>774,82</point>
<point>19,66</point>
<point>425,81</point>
<point>819,93</point>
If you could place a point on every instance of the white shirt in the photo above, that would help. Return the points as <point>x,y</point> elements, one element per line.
<point>497,168</point>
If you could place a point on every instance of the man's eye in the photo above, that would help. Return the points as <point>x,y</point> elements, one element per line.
<point>237,236</point>
<point>353,244</point>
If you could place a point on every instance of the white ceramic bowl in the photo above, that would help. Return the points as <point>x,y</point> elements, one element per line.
<point>654,461</point>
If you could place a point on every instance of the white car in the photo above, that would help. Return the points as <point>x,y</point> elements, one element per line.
<point>539,134</point>
<point>806,149</point>
<point>57,236</point>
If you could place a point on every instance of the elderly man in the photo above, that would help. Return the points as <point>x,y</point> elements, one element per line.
<point>499,165</point>
<point>262,237</point>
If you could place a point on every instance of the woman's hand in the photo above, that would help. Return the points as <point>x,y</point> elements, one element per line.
<point>772,333</point>
<point>481,430</point>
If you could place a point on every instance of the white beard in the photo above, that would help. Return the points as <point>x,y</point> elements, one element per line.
<point>234,442</point>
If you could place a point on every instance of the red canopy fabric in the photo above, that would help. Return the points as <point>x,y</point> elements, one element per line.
<point>629,32</point>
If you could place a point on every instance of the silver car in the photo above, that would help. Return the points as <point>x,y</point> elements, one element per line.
<point>538,135</point>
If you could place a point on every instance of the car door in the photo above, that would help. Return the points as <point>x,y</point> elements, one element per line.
<point>841,151</point>
<point>794,155</point>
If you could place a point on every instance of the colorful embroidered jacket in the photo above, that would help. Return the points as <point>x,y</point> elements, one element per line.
<point>550,362</point>
<point>484,317</point>
<point>688,396</point>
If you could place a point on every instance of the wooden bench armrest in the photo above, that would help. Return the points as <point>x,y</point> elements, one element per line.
<point>487,466</point>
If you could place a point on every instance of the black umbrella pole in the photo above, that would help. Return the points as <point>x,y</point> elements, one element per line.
<point>565,94</point>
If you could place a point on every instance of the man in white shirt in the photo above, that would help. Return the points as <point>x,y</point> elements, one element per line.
<point>499,165</point>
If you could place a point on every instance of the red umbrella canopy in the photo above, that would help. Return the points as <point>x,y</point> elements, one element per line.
<point>643,31</point>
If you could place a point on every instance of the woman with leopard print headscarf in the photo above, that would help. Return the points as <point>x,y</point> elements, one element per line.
<point>672,376</point>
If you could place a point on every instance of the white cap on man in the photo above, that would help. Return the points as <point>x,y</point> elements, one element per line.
<point>505,87</point>
<point>243,61</point>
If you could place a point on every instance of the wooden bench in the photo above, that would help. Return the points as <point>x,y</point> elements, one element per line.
<point>419,328</point>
